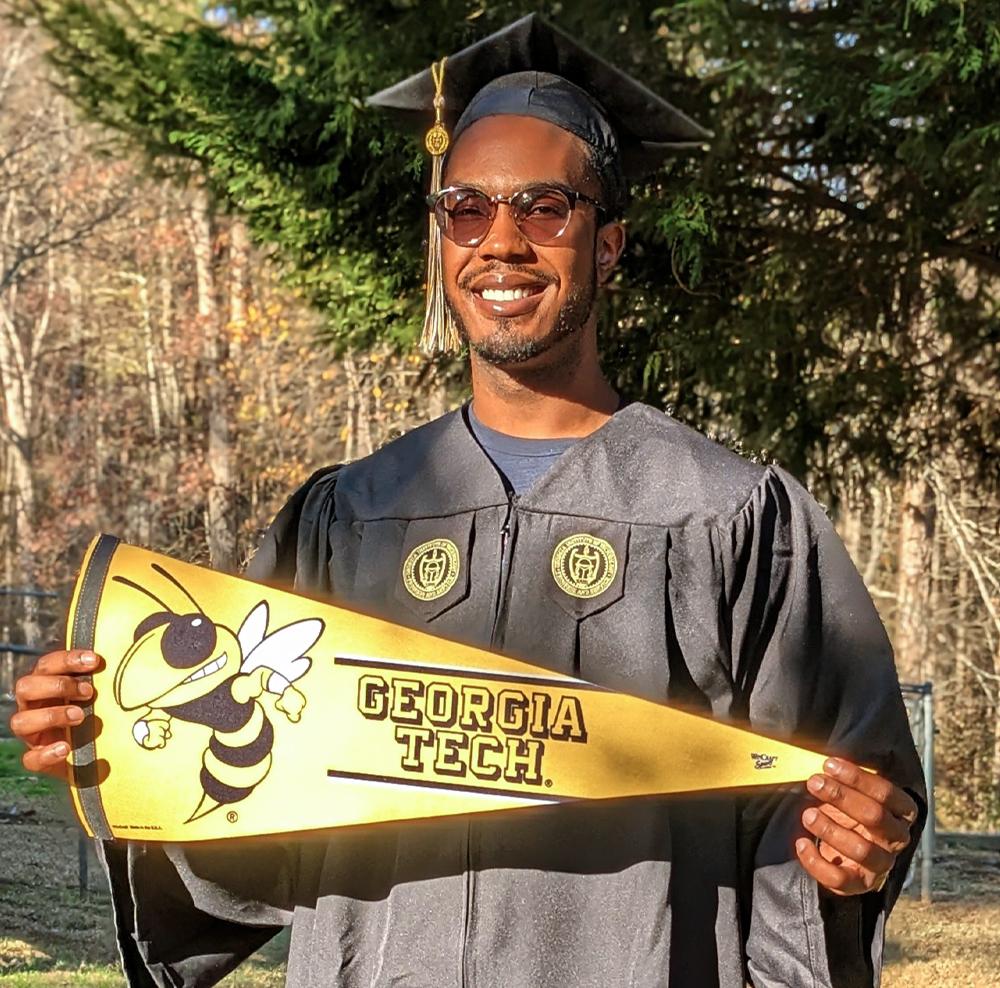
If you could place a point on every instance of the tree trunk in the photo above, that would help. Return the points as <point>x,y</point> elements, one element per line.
<point>914,588</point>
<point>239,255</point>
<point>221,507</point>
<point>359,435</point>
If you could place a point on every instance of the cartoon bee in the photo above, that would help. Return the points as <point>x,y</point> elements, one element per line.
<point>188,667</point>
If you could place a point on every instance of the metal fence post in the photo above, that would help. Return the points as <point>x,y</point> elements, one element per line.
<point>927,840</point>
<point>919,700</point>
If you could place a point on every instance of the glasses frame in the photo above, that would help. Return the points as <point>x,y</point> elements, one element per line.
<point>572,196</point>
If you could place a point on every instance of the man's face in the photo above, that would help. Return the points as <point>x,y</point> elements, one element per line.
<point>556,282</point>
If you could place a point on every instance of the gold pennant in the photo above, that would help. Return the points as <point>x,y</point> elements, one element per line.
<point>229,709</point>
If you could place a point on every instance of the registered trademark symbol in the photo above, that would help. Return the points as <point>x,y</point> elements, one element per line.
<point>548,783</point>
<point>232,816</point>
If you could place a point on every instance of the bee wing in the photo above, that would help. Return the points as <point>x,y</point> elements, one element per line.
<point>284,651</point>
<point>253,629</point>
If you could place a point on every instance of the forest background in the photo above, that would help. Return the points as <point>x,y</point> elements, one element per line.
<point>210,283</point>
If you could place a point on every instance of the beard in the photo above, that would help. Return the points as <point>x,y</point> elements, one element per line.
<point>507,344</point>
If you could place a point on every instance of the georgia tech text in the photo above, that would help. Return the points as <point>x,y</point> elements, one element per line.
<point>485,731</point>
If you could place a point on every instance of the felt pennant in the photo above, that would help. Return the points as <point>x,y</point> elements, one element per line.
<point>230,709</point>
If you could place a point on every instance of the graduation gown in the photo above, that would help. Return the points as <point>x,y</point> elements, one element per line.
<point>731,596</point>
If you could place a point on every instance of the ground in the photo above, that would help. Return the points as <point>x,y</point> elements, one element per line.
<point>51,935</point>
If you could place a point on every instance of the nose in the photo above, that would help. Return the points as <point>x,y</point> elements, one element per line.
<point>504,241</point>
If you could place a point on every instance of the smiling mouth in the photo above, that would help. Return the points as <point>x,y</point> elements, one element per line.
<point>509,294</point>
<point>206,670</point>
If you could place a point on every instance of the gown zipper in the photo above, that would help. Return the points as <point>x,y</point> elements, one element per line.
<point>505,545</point>
<point>498,612</point>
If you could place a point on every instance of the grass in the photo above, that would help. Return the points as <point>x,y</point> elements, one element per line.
<point>14,781</point>
<point>943,944</point>
<point>50,934</point>
<point>258,972</point>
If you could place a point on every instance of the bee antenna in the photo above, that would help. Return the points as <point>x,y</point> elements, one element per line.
<point>135,586</point>
<point>173,579</point>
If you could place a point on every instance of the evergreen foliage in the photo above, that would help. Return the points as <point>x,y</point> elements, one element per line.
<point>822,281</point>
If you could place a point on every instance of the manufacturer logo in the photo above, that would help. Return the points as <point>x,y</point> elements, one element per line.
<point>761,761</point>
<point>584,565</point>
<point>431,570</point>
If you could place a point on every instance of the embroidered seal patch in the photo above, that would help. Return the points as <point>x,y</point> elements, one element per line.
<point>431,570</point>
<point>584,565</point>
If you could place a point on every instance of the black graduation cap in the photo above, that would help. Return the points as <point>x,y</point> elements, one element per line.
<point>531,68</point>
<point>648,128</point>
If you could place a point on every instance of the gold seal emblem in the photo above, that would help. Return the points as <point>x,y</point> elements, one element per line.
<point>436,140</point>
<point>584,565</point>
<point>431,570</point>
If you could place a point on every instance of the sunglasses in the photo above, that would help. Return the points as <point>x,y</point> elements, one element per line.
<point>541,212</point>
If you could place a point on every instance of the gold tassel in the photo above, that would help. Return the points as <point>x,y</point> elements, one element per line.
<point>439,334</point>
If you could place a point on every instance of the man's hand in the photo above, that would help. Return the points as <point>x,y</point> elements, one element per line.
<point>46,709</point>
<point>862,824</point>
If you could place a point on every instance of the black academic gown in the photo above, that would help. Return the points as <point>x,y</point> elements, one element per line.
<point>733,596</point>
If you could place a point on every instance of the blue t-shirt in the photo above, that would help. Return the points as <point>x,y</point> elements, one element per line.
<point>520,461</point>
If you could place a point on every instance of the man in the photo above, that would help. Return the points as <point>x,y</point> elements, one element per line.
<point>706,581</point>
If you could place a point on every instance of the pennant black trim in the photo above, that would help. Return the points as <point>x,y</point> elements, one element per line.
<point>84,769</point>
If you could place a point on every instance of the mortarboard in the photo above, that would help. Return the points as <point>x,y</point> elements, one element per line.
<point>532,68</point>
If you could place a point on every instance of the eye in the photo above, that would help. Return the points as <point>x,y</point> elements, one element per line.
<point>545,206</point>
<point>146,625</point>
<point>189,640</point>
<point>469,209</point>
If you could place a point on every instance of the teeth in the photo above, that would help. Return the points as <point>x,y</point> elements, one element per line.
<point>505,294</point>
<point>207,670</point>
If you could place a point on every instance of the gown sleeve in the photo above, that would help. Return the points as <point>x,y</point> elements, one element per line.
<point>811,658</point>
<point>187,915</point>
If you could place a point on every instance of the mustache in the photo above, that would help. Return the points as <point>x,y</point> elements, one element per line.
<point>465,282</point>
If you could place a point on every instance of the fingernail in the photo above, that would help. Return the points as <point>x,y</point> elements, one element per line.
<point>85,660</point>
<point>86,689</point>
<point>802,845</point>
<point>809,817</point>
<point>60,750</point>
<point>816,783</point>
<point>832,766</point>
<point>74,714</point>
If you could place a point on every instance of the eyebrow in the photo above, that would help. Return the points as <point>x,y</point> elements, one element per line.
<point>554,183</point>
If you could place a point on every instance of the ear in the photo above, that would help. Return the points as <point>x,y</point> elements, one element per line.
<point>607,250</point>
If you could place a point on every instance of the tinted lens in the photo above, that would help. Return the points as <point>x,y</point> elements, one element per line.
<point>464,216</point>
<point>542,214</point>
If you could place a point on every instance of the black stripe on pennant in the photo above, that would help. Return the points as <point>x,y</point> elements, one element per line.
<point>84,769</point>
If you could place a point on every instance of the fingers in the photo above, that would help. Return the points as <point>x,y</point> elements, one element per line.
<point>76,660</point>
<point>47,706</point>
<point>850,843</point>
<point>867,806</point>
<point>833,877</point>
<point>862,823</point>
<point>29,725</point>
<point>894,799</point>
<point>35,688</point>
<point>47,760</point>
